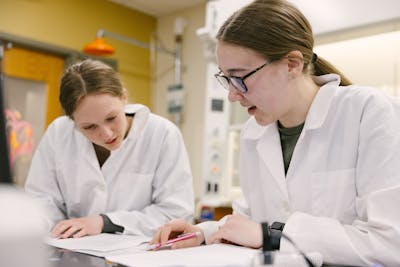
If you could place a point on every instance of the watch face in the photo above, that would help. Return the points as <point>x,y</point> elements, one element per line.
<point>277,226</point>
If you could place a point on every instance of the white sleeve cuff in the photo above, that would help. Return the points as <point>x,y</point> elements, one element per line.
<point>210,227</point>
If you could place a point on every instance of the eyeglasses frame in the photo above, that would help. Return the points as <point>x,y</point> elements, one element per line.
<point>238,81</point>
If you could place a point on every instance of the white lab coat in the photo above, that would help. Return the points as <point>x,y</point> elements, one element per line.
<point>341,194</point>
<point>144,183</point>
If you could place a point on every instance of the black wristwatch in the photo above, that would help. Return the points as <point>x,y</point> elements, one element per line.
<point>267,257</point>
<point>272,235</point>
<point>277,226</point>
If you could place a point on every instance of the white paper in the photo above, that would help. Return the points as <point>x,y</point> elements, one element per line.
<point>109,253</point>
<point>212,255</point>
<point>102,244</point>
<point>217,255</point>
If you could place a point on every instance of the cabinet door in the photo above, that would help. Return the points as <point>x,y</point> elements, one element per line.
<point>37,66</point>
<point>31,89</point>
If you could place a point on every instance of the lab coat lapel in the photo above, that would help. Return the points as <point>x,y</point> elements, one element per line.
<point>270,151</point>
<point>315,119</point>
<point>91,158</point>
<point>117,156</point>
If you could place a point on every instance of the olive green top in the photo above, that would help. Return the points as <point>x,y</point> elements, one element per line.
<point>289,137</point>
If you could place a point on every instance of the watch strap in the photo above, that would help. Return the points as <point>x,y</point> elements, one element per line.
<point>266,237</point>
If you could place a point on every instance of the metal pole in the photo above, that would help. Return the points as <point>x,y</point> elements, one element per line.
<point>178,30</point>
<point>178,59</point>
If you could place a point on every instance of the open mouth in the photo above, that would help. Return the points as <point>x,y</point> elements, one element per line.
<point>251,108</point>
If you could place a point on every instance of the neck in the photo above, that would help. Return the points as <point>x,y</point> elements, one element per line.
<point>305,91</point>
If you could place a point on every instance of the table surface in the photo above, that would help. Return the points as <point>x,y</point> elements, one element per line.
<point>66,258</point>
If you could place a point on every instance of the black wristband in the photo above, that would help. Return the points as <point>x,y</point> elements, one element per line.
<point>266,237</point>
<point>267,247</point>
<point>276,234</point>
<point>109,226</point>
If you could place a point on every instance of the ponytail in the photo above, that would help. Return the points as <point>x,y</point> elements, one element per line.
<point>322,66</point>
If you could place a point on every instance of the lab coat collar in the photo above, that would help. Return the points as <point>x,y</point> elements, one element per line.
<point>269,135</point>
<point>266,142</point>
<point>138,123</point>
<point>141,116</point>
<point>322,101</point>
<point>266,138</point>
<point>315,117</point>
<point>270,142</point>
<point>252,130</point>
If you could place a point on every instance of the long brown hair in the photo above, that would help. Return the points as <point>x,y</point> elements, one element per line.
<point>274,28</point>
<point>88,77</point>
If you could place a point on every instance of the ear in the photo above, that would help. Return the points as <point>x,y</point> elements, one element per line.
<point>295,62</point>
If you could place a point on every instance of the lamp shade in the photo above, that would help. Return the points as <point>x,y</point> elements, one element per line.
<point>99,48</point>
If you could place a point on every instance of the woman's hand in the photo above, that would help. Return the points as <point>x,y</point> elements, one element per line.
<point>239,230</point>
<point>174,228</point>
<point>79,227</point>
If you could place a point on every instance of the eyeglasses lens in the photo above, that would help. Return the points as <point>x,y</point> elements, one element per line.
<point>223,81</point>
<point>239,84</point>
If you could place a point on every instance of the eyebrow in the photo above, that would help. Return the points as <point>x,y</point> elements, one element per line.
<point>233,70</point>
<point>86,124</point>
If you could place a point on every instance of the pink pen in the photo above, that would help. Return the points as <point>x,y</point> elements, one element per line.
<point>174,240</point>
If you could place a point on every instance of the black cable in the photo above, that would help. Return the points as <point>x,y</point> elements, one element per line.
<point>306,258</point>
<point>267,245</point>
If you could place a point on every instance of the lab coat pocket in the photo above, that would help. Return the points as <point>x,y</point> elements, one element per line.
<point>334,194</point>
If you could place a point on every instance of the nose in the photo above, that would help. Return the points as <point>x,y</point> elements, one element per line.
<point>234,95</point>
<point>105,132</point>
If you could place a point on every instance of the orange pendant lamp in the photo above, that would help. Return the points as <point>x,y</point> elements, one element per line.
<point>99,48</point>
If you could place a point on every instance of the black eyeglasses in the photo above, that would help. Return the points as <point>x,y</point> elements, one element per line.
<point>237,82</point>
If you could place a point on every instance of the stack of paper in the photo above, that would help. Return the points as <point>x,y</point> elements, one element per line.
<point>217,255</point>
<point>131,251</point>
<point>212,255</point>
<point>102,245</point>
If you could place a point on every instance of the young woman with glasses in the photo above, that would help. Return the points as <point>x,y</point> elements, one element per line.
<point>323,166</point>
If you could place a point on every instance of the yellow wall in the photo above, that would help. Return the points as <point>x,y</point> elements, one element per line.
<point>73,23</point>
<point>194,82</point>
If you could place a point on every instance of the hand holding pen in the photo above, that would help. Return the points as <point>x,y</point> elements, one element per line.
<point>174,240</point>
<point>170,230</point>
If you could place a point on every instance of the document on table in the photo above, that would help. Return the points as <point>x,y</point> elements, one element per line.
<point>217,255</point>
<point>102,245</point>
<point>211,255</point>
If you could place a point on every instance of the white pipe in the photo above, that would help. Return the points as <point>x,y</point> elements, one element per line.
<point>132,41</point>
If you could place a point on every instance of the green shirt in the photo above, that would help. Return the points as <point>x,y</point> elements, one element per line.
<point>289,137</point>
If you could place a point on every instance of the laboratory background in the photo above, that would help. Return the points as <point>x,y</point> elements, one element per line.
<point>164,52</point>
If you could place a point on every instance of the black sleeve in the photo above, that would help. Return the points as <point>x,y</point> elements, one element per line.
<point>109,227</point>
